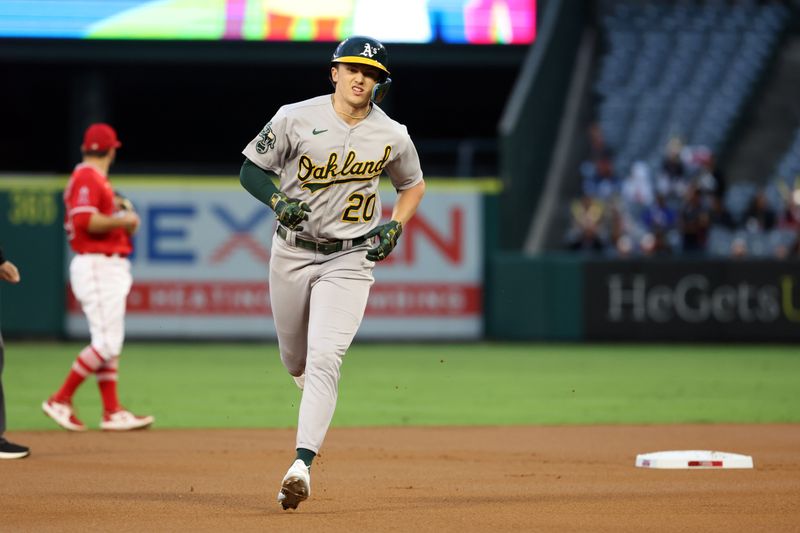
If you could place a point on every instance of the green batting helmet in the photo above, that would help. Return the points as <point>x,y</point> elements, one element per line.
<point>366,51</point>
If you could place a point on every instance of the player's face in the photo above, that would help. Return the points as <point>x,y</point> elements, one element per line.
<point>354,82</point>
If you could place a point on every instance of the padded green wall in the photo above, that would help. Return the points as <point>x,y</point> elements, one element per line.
<point>534,298</point>
<point>32,237</point>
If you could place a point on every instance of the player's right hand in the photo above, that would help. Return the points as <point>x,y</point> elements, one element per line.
<point>289,211</point>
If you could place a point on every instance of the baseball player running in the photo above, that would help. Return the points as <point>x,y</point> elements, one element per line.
<point>99,226</point>
<point>329,153</point>
<point>8,450</point>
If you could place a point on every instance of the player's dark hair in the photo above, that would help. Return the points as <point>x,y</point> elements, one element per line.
<point>96,153</point>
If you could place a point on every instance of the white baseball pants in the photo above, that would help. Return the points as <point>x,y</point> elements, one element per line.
<point>101,284</point>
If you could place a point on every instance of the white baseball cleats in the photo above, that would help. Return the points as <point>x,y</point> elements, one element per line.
<point>296,486</point>
<point>124,420</point>
<point>63,414</point>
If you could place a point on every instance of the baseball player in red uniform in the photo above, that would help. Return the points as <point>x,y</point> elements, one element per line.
<point>329,152</point>
<point>8,450</point>
<point>99,226</point>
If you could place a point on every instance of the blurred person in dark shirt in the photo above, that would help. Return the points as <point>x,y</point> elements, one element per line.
<point>694,221</point>
<point>709,179</point>
<point>759,216</point>
<point>719,215</point>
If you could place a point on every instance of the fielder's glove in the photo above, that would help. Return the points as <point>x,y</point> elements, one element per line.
<point>289,211</point>
<point>388,234</point>
<point>123,203</point>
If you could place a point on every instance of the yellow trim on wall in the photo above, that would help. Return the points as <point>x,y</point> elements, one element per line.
<point>486,185</point>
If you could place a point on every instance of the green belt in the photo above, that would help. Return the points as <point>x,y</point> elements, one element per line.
<point>319,247</point>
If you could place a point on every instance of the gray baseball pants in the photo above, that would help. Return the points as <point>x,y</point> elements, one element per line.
<point>318,302</point>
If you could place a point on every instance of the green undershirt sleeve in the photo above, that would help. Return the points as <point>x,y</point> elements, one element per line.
<point>257,181</point>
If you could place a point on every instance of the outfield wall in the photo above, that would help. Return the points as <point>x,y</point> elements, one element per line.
<point>31,234</point>
<point>566,297</point>
<point>201,263</point>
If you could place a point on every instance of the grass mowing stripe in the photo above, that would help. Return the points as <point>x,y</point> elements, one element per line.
<point>244,385</point>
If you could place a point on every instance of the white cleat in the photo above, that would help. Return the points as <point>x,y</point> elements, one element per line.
<point>296,486</point>
<point>124,420</point>
<point>300,380</point>
<point>63,414</point>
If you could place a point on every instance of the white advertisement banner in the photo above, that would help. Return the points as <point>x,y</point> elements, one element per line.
<point>201,261</point>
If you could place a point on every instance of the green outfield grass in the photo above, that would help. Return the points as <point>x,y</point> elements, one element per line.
<point>244,385</point>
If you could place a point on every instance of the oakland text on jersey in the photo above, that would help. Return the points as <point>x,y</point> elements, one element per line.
<point>317,177</point>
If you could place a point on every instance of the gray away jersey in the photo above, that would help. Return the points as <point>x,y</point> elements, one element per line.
<point>335,167</point>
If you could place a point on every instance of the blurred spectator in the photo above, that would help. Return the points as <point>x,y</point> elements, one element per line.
<point>790,249</point>
<point>637,188</point>
<point>759,216</point>
<point>659,216</point>
<point>794,249</point>
<point>790,215</point>
<point>623,231</point>
<point>600,181</point>
<point>673,179</point>
<point>709,179</point>
<point>738,248</point>
<point>694,222</point>
<point>719,215</point>
<point>586,230</point>
<point>655,244</point>
<point>597,142</point>
<point>672,164</point>
<point>624,246</point>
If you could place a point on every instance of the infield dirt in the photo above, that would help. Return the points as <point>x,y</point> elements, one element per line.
<point>568,478</point>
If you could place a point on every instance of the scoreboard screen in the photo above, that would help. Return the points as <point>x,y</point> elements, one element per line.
<point>481,22</point>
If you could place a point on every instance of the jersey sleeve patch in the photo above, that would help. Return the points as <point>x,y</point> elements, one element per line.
<point>266,139</point>
<point>83,197</point>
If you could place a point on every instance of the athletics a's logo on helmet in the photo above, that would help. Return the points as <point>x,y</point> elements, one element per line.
<point>369,50</point>
<point>267,139</point>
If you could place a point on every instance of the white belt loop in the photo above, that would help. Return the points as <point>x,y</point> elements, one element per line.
<point>290,235</point>
<point>347,244</point>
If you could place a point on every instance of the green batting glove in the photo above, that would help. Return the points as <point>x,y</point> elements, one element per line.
<point>289,211</point>
<point>388,234</point>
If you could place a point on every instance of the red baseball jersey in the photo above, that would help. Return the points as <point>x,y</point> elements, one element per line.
<point>87,192</point>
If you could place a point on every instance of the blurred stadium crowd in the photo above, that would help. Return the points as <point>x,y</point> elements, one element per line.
<point>672,81</point>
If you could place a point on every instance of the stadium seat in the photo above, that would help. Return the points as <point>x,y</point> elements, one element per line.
<point>681,68</point>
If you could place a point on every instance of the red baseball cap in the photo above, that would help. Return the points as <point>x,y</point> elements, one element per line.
<point>100,137</point>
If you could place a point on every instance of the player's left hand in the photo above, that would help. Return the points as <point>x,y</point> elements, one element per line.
<point>9,272</point>
<point>388,234</point>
